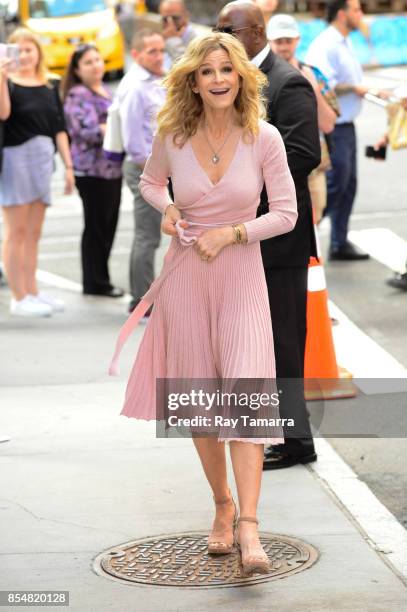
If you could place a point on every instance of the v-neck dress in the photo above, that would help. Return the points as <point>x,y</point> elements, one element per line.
<point>211,320</point>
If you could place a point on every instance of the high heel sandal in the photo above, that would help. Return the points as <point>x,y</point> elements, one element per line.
<point>221,547</point>
<point>255,564</point>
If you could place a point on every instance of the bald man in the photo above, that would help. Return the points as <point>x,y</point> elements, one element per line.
<point>177,30</point>
<point>292,109</point>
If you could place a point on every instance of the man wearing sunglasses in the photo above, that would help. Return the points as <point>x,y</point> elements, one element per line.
<point>177,30</point>
<point>292,109</point>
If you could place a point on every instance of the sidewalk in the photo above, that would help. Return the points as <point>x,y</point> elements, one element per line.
<point>77,479</point>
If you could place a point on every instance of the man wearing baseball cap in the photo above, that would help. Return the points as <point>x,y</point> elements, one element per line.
<point>284,36</point>
<point>282,27</point>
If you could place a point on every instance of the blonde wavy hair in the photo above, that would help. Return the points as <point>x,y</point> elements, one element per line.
<point>24,34</point>
<point>183,108</point>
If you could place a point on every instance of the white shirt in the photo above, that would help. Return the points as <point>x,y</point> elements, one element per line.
<point>260,57</point>
<point>334,55</point>
<point>135,74</point>
<point>140,95</point>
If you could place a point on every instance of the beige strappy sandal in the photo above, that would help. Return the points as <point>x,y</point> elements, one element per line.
<point>255,564</point>
<point>223,547</point>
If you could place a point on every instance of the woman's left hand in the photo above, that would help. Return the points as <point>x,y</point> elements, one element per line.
<point>69,181</point>
<point>5,64</point>
<point>211,242</point>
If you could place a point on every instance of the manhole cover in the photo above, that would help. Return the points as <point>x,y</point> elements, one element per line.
<point>181,560</point>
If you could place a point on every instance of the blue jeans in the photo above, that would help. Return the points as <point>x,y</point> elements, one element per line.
<point>341,182</point>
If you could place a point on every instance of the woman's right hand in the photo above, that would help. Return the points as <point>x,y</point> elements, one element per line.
<point>171,216</point>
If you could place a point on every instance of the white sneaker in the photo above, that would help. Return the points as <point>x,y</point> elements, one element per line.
<point>43,298</point>
<point>29,308</point>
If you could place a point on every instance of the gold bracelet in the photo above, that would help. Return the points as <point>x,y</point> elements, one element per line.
<point>166,208</point>
<point>237,234</point>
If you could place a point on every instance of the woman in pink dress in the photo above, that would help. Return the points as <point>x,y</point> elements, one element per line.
<point>211,317</point>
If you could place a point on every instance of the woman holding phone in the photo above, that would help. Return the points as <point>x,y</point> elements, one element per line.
<point>34,127</point>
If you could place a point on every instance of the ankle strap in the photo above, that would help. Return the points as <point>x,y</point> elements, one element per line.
<point>247,519</point>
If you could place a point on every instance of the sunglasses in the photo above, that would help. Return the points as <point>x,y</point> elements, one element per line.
<point>83,48</point>
<point>175,18</point>
<point>230,30</point>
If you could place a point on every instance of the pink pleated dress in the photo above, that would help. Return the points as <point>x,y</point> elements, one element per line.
<point>211,319</point>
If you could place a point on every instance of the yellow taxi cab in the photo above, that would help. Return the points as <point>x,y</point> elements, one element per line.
<point>64,24</point>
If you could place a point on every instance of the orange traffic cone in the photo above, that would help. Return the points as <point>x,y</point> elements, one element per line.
<point>323,378</point>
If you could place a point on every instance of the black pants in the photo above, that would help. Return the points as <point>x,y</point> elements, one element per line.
<point>287,289</point>
<point>101,203</point>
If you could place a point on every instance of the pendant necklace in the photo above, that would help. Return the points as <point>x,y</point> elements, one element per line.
<point>215,157</point>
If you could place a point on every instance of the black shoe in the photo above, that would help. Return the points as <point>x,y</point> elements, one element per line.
<point>270,450</point>
<point>112,292</point>
<point>347,252</point>
<point>399,281</point>
<point>133,304</point>
<point>275,459</point>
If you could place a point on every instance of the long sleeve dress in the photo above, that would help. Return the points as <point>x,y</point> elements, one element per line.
<point>211,320</point>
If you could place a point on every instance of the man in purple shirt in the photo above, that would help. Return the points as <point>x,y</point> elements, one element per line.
<point>141,95</point>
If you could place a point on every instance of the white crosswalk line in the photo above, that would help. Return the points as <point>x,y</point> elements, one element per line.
<point>359,353</point>
<point>60,282</point>
<point>75,238</point>
<point>384,245</point>
<point>75,254</point>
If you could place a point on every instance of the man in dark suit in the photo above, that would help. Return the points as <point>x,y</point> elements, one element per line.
<point>292,109</point>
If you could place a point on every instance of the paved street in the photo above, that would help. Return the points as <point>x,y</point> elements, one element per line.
<point>360,291</point>
<point>50,365</point>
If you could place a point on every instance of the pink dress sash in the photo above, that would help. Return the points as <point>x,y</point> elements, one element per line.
<point>187,238</point>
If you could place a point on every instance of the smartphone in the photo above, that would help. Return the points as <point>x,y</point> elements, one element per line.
<point>379,153</point>
<point>12,53</point>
